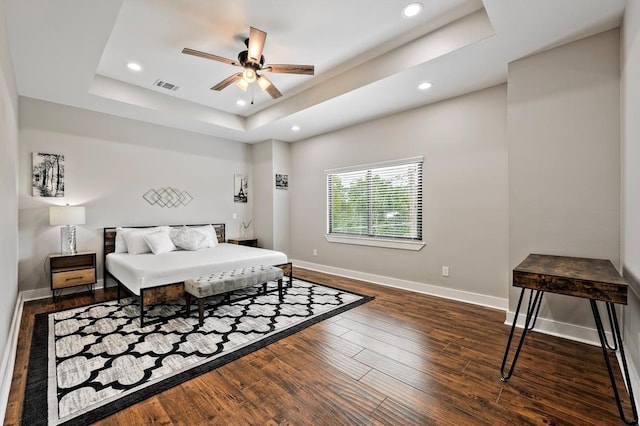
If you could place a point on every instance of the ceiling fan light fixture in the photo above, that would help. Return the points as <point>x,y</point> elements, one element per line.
<point>263,83</point>
<point>412,9</point>
<point>249,75</point>
<point>242,84</point>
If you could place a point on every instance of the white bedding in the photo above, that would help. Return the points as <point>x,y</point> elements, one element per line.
<point>151,270</point>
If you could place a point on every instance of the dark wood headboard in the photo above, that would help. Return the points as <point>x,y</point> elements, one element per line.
<point>109,240</point>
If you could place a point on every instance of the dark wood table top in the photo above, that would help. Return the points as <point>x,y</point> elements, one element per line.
<point>595,279</point>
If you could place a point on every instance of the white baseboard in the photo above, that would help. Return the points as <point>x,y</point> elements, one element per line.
<point>43,293</point>
<point>430,289</point>
<point>561,329</point>
<point>9,356</point>
<point>633,375</point>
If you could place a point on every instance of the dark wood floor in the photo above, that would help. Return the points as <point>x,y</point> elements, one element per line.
<point>401,359</point>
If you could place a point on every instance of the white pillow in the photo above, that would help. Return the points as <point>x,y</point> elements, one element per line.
<point>211,239</point>
<point>135,239</point>
<point>188,239</point>
<point>174,231</point>
<point>159,242</point>
<point>121,245</point>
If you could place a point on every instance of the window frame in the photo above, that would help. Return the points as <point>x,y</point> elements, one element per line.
<point>404,243</point>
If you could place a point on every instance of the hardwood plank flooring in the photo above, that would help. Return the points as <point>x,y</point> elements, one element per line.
<point>401,359</point>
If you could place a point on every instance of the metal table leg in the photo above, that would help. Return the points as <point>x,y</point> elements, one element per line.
<point>532,315</point>
<point>615,330</point>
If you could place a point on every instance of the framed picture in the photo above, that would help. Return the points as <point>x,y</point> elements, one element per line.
<point>240,188</point>
<point>47,175</point>
<point>282,181</point>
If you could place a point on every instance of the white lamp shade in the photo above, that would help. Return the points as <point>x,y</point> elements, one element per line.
<point>67,215</point>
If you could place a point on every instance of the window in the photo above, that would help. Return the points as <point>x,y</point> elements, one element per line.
<point>377,204</point>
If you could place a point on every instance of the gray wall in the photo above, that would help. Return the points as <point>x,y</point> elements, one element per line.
<point>262,168</point>
<point>631,176</point>
<point>463,141</point>
<point>271,207</point>
<point>564,160</point>
<point>110,163</point>
<point>9,206</point>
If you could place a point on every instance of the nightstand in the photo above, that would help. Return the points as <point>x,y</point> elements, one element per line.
<point>251,242</point>
<point>71,270</point>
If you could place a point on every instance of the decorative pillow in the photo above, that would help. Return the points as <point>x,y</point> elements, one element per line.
<point>159,242</point>
<point>173,231</point>
<point>135,239</point>
<point>211,239</point>
<point>121,245</point>
<point>188,239</point>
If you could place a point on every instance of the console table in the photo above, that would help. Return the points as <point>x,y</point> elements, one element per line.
<point>592,279</point>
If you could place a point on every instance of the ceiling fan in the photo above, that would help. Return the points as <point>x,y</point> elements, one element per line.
<point>252,61</point>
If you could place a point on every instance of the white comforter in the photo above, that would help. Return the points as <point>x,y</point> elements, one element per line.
<point>149,270</point>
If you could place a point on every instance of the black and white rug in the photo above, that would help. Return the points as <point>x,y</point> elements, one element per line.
<point>89,362</point>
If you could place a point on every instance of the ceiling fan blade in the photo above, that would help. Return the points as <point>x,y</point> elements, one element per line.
<point>256,44</point>
<point>227,81</point>
<point>200,54</point>
<point>266,85</point>
<point>290,69</point>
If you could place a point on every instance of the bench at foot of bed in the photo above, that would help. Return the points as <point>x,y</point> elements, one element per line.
<point>225,282</point>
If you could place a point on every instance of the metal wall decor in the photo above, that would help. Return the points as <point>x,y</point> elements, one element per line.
<point>167,197</point>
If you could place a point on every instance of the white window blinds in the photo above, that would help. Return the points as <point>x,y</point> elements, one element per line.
<point>382,200</point>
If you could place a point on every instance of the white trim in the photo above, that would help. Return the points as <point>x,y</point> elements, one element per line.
<point>43,293</point>
<point>9,356</point>
<point>376,242</point>
<point>424,288</point>
<point>565,330</point>
<point>37,294</point>
<point>633,374</point>
<point>419,159</point>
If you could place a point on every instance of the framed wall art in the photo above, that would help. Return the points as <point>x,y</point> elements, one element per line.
<point>240,188</point>
<point>282,181</point>
<point>47,176</point>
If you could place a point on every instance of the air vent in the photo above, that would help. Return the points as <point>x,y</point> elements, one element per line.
<point>166,85</point>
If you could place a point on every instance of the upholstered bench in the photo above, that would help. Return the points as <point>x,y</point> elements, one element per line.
<point>225,282</point>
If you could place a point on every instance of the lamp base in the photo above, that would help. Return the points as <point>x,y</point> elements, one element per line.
<point>68,239</point>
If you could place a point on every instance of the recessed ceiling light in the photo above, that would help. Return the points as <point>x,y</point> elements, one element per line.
<point>241,102</point>
<point>134,66</point>
<point>424,86</point>
<point>295,128</point>
<point>411,10</point>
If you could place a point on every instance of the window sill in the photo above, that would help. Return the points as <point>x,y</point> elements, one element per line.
<point>376,242</point>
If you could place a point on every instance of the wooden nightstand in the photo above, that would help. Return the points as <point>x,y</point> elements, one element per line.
<point>252,242</point>
<point>71,270</point>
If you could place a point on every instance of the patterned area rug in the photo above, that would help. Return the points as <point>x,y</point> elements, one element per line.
<point>89,362</point>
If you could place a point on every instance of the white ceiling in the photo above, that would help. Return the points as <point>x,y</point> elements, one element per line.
<point>368,59</point>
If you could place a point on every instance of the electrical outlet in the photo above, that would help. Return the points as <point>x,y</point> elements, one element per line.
<point>315,252</point>
<point>445,271</point>
<point>235,216</point>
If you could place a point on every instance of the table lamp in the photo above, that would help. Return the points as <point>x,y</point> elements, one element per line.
<point>68,217</point>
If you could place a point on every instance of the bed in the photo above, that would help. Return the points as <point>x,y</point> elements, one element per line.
<point>157,278</point>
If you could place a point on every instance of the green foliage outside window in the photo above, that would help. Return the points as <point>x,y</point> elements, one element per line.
<point>383,202</point>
